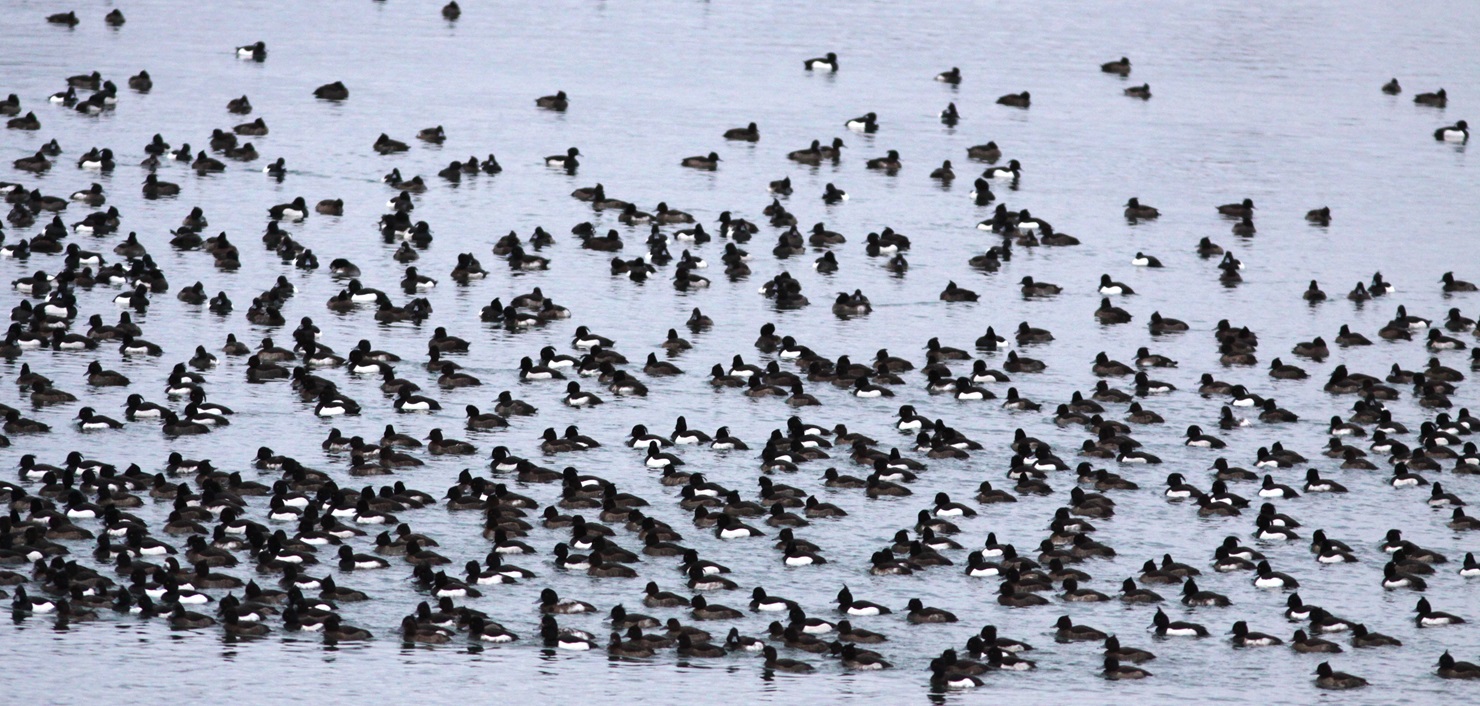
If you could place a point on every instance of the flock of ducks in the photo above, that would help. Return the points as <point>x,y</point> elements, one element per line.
<point>253,547</point>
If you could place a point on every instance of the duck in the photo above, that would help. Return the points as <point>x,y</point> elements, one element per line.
<point>761,601</point>
<point>1016,100</point>
<point>91,196</point>
<point>1460,521</point>
<point>955,293</point>
<point>826,63</point>
<point>812,155</point>
<point>1269,578</point>
<point>1438,497</point>
<point>749,133</point>
<point>656,458</point>
<point>868,123</point>
<point>1074,594</point>
<point>295,210</point>
<point>1120,67</point>
<point>1011,172</point>
<point>1327,678</point>
<point>550,604</point>
<point>89,420</point>
<point>1130,593</point>
<point>775,663</point>
<point>951,77</point>
<point>1426,617</point>
<point>1393,578</point>
<point>1067,631</point>
<point>832,195</point>
<point>558,102</point>
<point>1437,99</point>
<point>1105,367</point>
<point>564,639</point>
<point>1115,671</point>
<point>565,161</point>
<point>944,173</point>
<point>1193,596</point>
<point>1306,644</point>
<point>988,152</point>
<point>1451,285</point>
<point>1449,668</point>
<point>1458,132</point>
<point>1404,478</point>
<point>154,188</point>
<point>98,377</point>
<point>1109,314</point>
<point>385,144</point>
<point>257,51</point>
<point>888,163</point>
<point>849,605</point>
<point>1362,637</point>
<point>255,128</point>
<point>68,18</point>
<point>1237,210</point>
<point>946,672</point>
<point>1165,627</point>
<point>708,162</point>
<point>1137,211</point>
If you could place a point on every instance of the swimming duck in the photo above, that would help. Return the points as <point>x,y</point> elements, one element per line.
<point>1437,99</point>
<point>1327,678</point>
<point>708,162</point>
<point>988,152</point>
<point>828,63</point>
<point>1166,627</point>
<point>749,133</point>
<point>1119,67</point>
<point>254,52</point>
<point>557,102</point>
<point>1458,132</point>
<point>1016,100</point>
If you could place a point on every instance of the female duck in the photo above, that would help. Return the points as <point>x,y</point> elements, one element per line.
<point>708,162</point>
<point>1327,678</point>
<point>749,133</point>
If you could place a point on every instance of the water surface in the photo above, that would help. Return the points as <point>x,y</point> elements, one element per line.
<point>1275,103</point>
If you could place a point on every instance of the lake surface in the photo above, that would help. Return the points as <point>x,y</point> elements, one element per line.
<point>1276,103</point>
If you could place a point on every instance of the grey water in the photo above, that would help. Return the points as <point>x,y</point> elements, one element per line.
<point>1270,101</point>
